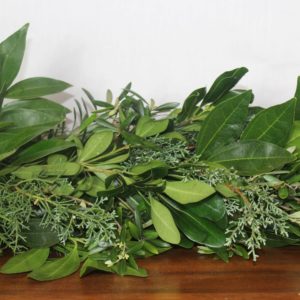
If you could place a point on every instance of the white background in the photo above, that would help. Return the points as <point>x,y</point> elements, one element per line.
<point>167,48</point>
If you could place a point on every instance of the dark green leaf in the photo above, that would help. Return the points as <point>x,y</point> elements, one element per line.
<point>223,84</point>
<point>224,124</point>
<point>36,87</point>
<point>252,157</point>
<point>272,125</point>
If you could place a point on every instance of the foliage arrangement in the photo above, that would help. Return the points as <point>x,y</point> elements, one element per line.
<point>132,179</point>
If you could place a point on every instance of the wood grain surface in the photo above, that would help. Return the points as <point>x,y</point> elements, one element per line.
<point>178,274</point>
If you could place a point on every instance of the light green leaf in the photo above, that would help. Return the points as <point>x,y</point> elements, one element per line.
<point>35,87</point>
<point>188,192</point>
<point>272,125</point>
<point>223,84</point>
<point>57,268</point>
<point>7,154</point>
<point>252,157</point>
<point>148,127</point>
<point>96,145</point>
<point>11,56</point>
<point>224,124</point>
<point>164,223</point>
<point>26,261</point>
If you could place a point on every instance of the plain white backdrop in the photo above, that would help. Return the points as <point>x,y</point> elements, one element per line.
<point>166,48</point>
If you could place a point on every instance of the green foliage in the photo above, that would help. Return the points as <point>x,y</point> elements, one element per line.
<point>131,177</point>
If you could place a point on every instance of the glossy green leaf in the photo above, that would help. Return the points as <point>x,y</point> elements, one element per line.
<point>224,124</point>
<point>148,127</point>
<point>91,265</point>
<point>197,229</point>
<point>14,138</point>
<point>26,261</point>
<point>189,191</point>
<point>150,166</point>
<point>96,145</point>
<point>11,56</point>
<point>41,149</point>
<point>164,223</point>
<point>252,157</point>
<point>33,112</point>
<point>36,87</point>
<point>190,104</point>
<point>223,84</point>
<point>57,268</point>
<point>272,125</point>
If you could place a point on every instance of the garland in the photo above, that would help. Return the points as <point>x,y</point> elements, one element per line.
<point>133,179</point>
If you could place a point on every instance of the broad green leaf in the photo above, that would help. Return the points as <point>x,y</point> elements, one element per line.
<point>35,87</point>
<point>188,192</point>
<point>11,56</point>
<point>5,125</point>
<point>7,154</point>
<point>38,236</point>
<point>297,96</point>
<point>272,125</point>
<point>295,131</point>
<point>212,208</point>
<point>57,268</point>
<point>96,145</point>
<point>164,223</point>
<point>190,104</point>
<point>224,124</point>
<point>41,149</point>
<point>26,261</point>
<point>252,157</point>
<point>197,229</point>
<point>14,138</point>
<point>223,84</point>
<point>148,127</point>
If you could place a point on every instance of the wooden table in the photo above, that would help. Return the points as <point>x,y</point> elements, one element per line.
<point>178,274</point>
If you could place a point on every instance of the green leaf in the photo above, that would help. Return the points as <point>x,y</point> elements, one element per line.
<point>57,268</point>
<point>38,236</point>
<point>7,154</point>
<point>224,124</point>
<point>155,166</point>
<point>223,84</point>
<point>11,56</point>
<point>33,112</point>
<point>199,230</point>
<point>26,261</point>
<point>164,223</point>
<point>297,96</point>
<point>272,125</point>
<point>91,265</point>
<point>41,149</point>
<point>96,145</point>
<point>148,127</point>
<point>35,87</point>
<point>14,138</point>
<point>252,157</point>
<point>188,192</point>
<point>190,104</point>
<point>166,106</point>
